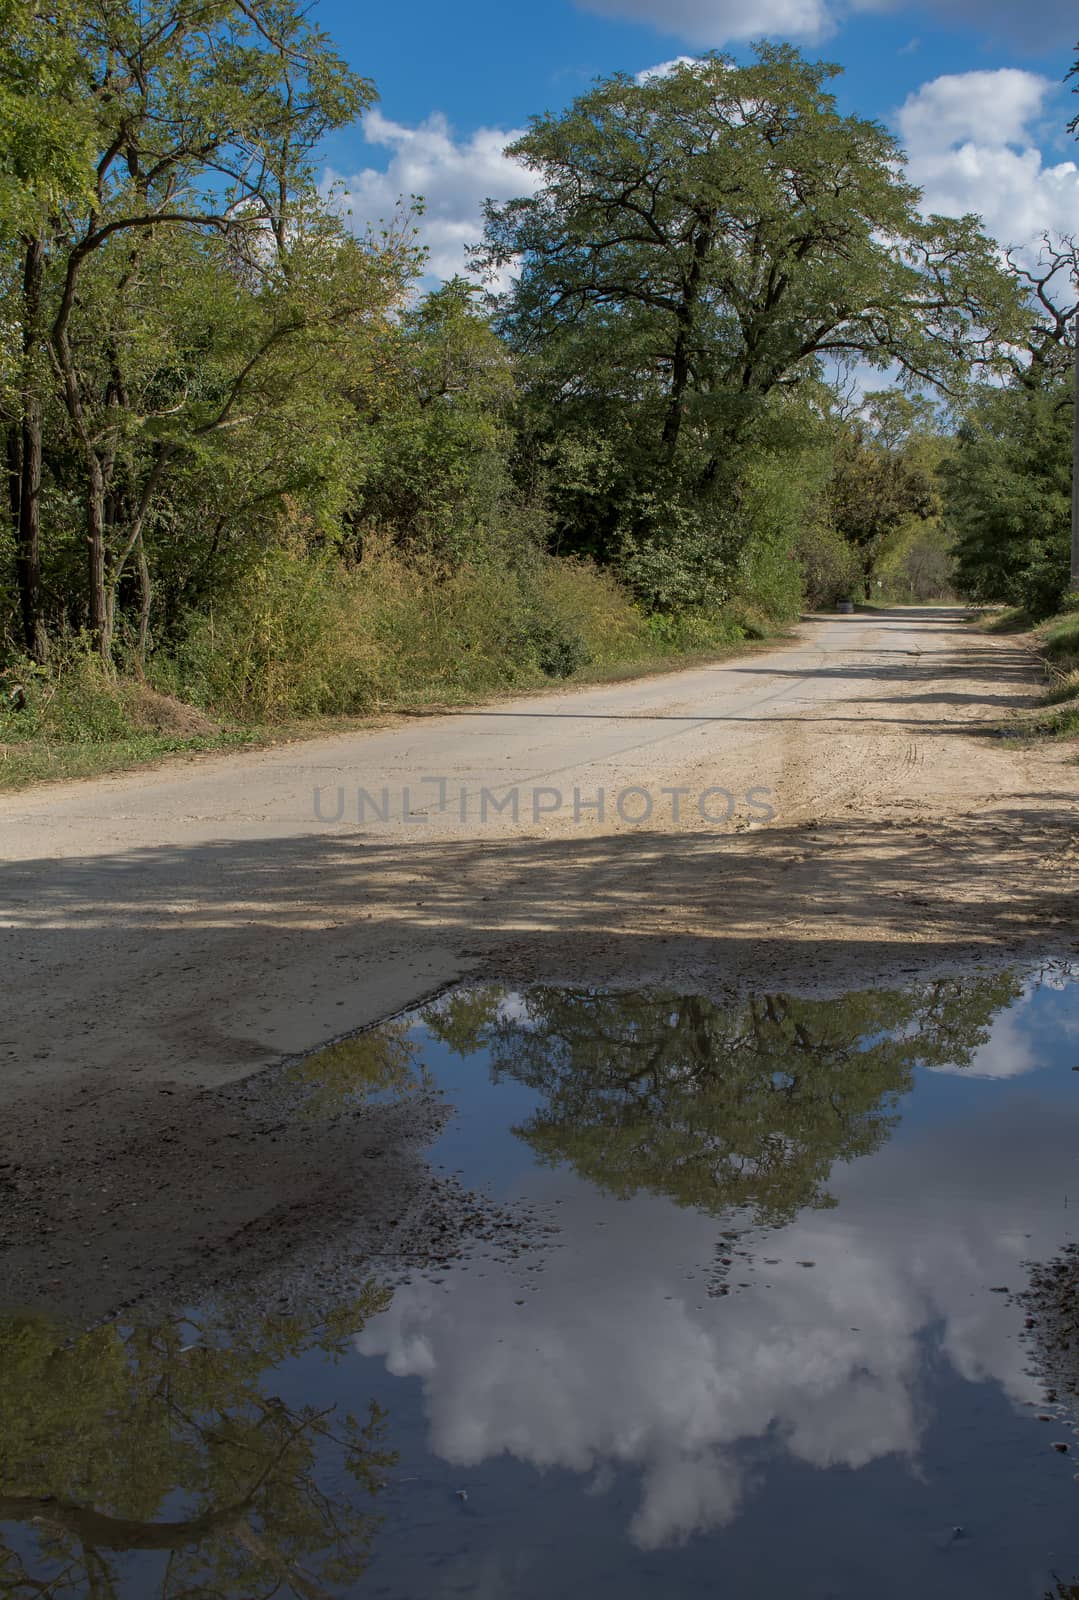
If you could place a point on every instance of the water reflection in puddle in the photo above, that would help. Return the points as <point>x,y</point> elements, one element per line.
<point>773,1346</point>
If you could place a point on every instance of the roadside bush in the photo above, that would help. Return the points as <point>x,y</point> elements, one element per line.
<point>77,699</point>
<point>308,636</point>
<point>778,502</point>
<point>688,632</point>
<point>829,567</point>
<point>589,609</point>
<point>303,634</point>
<point>1060,641</point>
<point>280,645</point>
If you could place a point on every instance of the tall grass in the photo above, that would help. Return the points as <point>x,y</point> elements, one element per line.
<point>309,638</point>
<point>305,637</point>
<point>78,717</point>
<point>1058,640</point>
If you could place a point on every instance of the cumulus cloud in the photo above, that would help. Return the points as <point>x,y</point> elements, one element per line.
<point>663,69</point>
<point>716,22</point>
<point>453,175</point>
<point>622,1362</point>
<point>971,141</point>
<point>971,138</point>
<point>991,108</point>
<point>1007,1053</point>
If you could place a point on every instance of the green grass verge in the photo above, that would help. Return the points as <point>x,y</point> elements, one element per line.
<point>1056,641</point>
<point>1011,620</point>
<point>58,753</point>
<point>1059,640</point>
<point>41,761</point>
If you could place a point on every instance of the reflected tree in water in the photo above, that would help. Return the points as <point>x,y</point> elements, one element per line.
<point>380,1061</point>
<point>157,1461</point>
<point>719,1106</point>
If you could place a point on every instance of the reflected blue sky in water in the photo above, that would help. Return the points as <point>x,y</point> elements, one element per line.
<point>863,1406</point>
<point>663,1400</point>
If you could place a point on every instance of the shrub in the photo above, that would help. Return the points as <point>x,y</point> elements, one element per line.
<point>78,699</point>
<point>304,636</point>
<point>829,567</point>
<point>75,697</point>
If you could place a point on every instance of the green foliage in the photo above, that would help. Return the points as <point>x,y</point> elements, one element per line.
<point>435,456</point>
<point>830,567</point>
<point>674,554</point>
<point>80,698</point>
<point>279,645</point>
<point>875,492</point>
<point>46,138</point>
<point>1008,497</point>
<point>168,1440</point>
<point>697,245</point>
<point>191,283</point>
<point>693,632</point>
<point>921,566</point>
<point>720,1107</point>
<point>305,636</point>
<point>261,471</point>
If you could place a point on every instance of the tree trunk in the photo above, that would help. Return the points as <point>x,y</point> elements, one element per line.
<point>28,520</point>
<point>145,595</point>
<point>13,453</point>
<point>681,355</point>
<point>100,609</point>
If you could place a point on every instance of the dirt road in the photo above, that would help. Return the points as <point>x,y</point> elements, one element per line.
<point>831,813</point>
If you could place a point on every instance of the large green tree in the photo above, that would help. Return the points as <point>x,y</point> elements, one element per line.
<point>702,242</point>
<point>1007,484</point>
<point>153,299</point>
<point>168,1444</point>
<point>1007,490</point>
<point>719,1107</point>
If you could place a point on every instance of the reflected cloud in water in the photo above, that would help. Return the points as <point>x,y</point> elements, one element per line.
<point>640,1348</point>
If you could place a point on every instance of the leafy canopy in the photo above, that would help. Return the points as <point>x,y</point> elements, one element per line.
<point>719,1106</point>
<point>716,231</point>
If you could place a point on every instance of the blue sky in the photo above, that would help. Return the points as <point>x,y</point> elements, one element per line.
<point>972,87</point>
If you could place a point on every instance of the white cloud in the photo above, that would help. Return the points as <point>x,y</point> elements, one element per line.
<point>453,175</point>
<point>620,1360</point>
<point>715,22</point>
<point>663,69</point>
<point>991,108</point>
<point>1007,1053</point>
<point>1039,27</point>
<point>971,141</point>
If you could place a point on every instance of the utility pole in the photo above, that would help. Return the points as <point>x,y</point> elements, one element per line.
<point>1075,464</point>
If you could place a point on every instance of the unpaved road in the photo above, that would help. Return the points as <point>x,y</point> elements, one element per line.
<point>167,934</point>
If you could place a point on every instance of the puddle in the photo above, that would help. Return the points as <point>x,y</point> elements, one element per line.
<point>766,1338</point>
